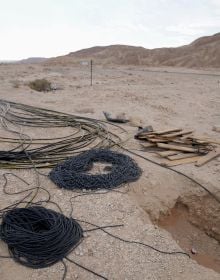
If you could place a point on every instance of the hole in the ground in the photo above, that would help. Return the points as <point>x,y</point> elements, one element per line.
<point>195,224</point>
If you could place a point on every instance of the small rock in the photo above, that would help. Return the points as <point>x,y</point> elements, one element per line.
<point>193,251</point>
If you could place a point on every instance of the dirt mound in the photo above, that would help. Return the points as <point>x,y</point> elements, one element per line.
<point>203,52</point>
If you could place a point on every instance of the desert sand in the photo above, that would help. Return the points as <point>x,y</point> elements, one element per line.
<point>163,98</point>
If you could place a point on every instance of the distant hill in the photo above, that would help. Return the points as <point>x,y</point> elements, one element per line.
<point>31,60</point>
<point>7,61</point>
<point>203,52</point>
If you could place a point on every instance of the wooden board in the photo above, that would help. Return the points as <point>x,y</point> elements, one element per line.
<point>173,135</point>
<point>208,140</point>
<point>181,161</point>
<point>181,156</point>
<point>167,131</point>
<point>157,140</point>
<point>167,153</point>
<point>142,137</point>
<point>144,134</point>
<point>176,148</point>
<point>148,145</point>
<point>205,159</point>
<point>189,139</point>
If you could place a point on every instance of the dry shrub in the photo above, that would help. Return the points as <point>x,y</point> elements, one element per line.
<point>40,85</point>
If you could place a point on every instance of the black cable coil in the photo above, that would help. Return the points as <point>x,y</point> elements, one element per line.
<point>38,237</point>
<point>73,173</point>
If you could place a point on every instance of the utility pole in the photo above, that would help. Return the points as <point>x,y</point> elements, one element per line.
<point>91,68</point>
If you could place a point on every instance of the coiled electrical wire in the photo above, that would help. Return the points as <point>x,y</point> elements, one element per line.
<point>38,237</point>
<point>47,152</point>
<point>74,172</point>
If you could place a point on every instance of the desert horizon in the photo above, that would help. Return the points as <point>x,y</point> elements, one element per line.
<point>204,47</point>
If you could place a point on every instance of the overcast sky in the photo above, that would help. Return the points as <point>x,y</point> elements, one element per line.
<point>55,27</point>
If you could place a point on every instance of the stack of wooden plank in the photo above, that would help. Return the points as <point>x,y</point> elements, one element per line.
<point>177,147</point>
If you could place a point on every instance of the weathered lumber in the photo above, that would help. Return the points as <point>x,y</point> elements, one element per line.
<point>167,131</point>
<point>167,153</point>
<point>177,147</point>
<point>181,156</point>
<point>173,135</point>
<point>206,140</point>
<point>158,140</point>
<point>207,158</point>
<point>181,161</point>
<point>148,145</point>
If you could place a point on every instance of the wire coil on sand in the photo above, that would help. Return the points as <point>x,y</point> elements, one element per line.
<point>73,173</point>
<point>38,237</point>
<point>41,152</point>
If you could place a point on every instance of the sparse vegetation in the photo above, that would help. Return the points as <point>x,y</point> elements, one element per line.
<point>40,85</point>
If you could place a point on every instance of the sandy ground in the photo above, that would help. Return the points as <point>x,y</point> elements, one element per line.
<point>161,99</point>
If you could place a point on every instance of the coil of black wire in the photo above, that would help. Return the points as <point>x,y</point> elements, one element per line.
<point>23,151</point>
<point>74,173</point>
<point>38,237</point>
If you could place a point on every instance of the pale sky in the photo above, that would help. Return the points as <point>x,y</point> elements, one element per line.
<point>30,28</point>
